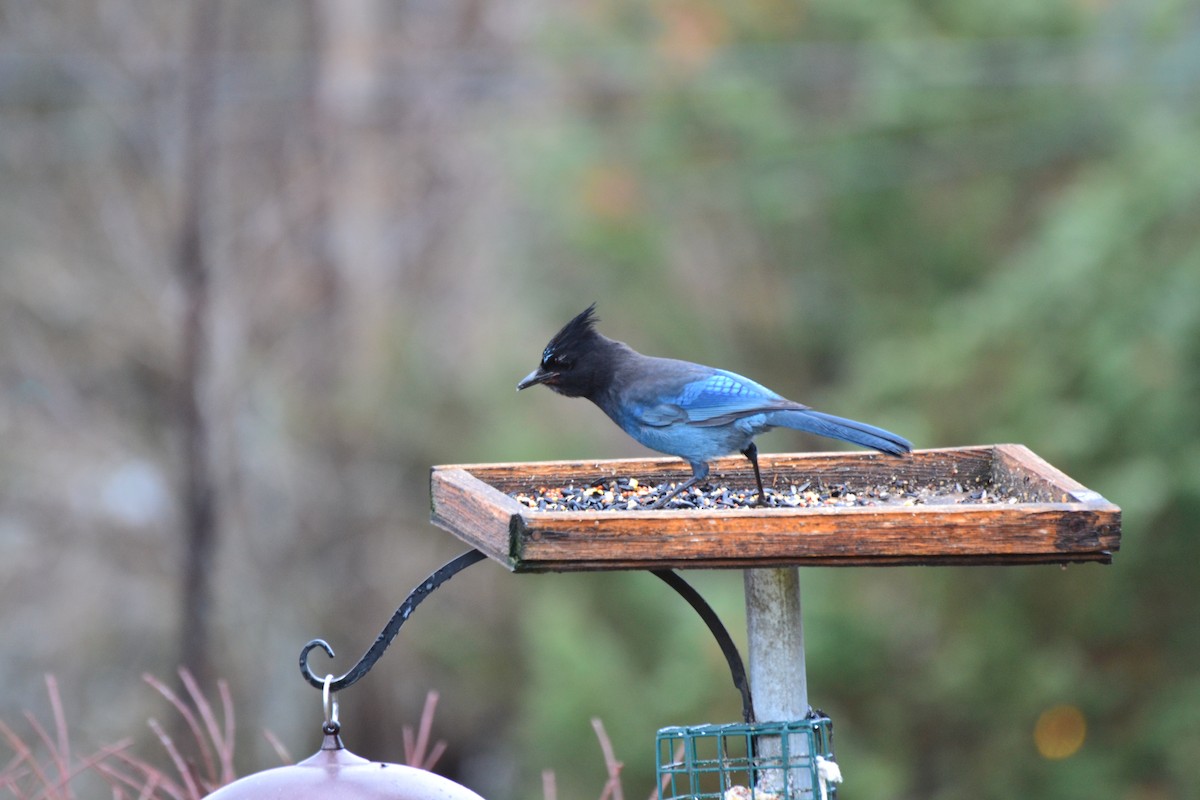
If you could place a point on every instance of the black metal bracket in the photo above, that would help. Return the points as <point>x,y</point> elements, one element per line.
<point>457,565</point>
<point>734,659</point>
<point>389,632</point>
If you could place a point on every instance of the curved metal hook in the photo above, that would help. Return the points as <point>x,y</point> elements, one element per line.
<point>734,659</point>
<point>389,632</point>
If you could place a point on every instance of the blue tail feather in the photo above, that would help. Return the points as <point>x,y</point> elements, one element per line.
<point>847,430</point>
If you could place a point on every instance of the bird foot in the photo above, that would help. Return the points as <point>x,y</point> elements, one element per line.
<point>671,495</point>
<point>662,501</point>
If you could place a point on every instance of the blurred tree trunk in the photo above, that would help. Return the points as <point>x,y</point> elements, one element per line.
<point>193,262</point>
<point>319,129</point>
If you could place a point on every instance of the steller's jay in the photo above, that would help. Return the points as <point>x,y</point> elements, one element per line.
<point>680,408</point>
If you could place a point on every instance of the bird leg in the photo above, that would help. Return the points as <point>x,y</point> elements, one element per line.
<point>699,473</point>
<point>751,452</point>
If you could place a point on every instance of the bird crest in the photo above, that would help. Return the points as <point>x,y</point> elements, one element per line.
<point>575,332</point>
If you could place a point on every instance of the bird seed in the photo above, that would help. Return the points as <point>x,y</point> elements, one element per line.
<point>631,494</point>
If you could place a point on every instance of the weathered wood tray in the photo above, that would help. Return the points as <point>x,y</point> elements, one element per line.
<point>1046,518</point>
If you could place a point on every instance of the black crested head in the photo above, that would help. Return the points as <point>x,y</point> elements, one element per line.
<point>576,362</point>
<point>576,334</point>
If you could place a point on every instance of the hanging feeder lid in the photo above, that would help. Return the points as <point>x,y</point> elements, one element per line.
<point>334,773</point>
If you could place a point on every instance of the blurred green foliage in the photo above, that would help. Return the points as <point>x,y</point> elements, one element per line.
<point>968,223</point>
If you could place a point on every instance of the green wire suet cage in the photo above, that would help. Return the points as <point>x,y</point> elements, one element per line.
<point>748,761</point>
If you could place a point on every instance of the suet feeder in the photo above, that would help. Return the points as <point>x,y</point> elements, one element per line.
<point>748,761</point>
<point>987,505</point>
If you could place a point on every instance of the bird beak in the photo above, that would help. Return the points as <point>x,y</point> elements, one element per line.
<point>539,375</point>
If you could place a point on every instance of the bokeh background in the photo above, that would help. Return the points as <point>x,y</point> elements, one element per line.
<point>263,264</point>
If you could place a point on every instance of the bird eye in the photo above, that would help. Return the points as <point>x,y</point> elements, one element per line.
<point>555,361</point>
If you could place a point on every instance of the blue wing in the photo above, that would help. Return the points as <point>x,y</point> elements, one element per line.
<point>717,399</point>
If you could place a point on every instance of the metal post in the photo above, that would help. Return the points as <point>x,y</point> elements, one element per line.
<point>775,633</point>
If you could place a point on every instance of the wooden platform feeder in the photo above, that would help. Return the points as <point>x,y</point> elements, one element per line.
<point>990,505</point>
<point>1040,516</point>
